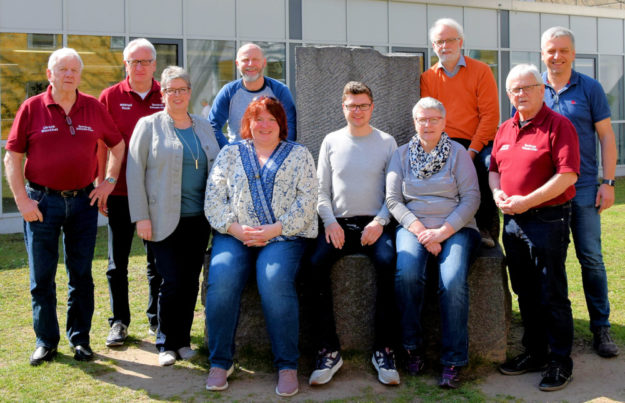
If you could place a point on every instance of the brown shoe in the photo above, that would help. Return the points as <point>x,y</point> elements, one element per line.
<point>287,383</point>
<point>218,378</point>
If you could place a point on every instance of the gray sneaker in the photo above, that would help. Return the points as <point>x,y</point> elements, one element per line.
<point>218,378</point>
<point>287,383</point>
<point>328,362</point>
<point>117,334</point>
<point>384,363</point>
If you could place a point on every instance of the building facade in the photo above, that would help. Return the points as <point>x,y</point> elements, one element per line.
<point>203,35</point>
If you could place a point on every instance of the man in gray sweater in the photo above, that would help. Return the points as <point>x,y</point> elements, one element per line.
<point>351,170</point>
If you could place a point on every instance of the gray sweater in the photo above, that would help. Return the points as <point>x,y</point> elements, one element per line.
<point>351,172</point>
<point>451,195</point>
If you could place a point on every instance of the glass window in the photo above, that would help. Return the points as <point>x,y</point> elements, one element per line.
<point>22,74</point>
<point>611,78</point>
<point>619,131</point>
<point>42,41</point>
<point>524,57</point>
<point>276,59</point>
<point>211,66</point>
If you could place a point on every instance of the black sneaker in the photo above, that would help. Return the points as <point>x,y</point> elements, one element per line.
<point>117,334</point>
<point>328,362</point>
<point>414,362</point>
<point>556,377</point>
<point>41,354</point>
<point>603,343</point>
<point>384,363</point>
<point>521,364</point>
<point>450,377</point>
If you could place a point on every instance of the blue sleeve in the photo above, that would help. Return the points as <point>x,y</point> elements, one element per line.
<point>219,113</point>
<point>284,95</point>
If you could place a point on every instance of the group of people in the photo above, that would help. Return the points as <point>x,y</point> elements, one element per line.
<point>139,157</point>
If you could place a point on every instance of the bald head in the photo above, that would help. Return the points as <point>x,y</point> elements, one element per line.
<point>251,62</point>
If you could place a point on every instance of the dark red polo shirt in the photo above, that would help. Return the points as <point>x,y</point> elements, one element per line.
<point>527,157</point>
<point>126,108</point>
<point>54,157</point>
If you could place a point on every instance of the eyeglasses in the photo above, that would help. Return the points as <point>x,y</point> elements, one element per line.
<point>517,90</point>
<point>68,120</point>
<point>144,63</point>
<point>353,107</point>
<point>177,91</point>
<point>442,42</point>
<point>424,121</point>
<point>263,97</point>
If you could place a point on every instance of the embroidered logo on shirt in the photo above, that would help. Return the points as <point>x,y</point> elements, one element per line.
<point>157,106</point>
<point>504,147</point>
<point>529,147</point>
<point>85,128</point>
<point>125,107</point>
<point>47,129</point>
<point>572,102</point>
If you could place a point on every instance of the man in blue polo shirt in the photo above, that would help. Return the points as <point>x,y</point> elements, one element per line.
<point>582,100</point>
<point>232,100</point>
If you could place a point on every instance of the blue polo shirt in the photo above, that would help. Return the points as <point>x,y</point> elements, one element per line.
<point>584,103</point>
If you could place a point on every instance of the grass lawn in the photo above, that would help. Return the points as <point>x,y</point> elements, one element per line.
<point>67,380</point>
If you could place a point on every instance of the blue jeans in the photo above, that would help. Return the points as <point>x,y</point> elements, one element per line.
<point>586,229</point>
<point>121,231</point>
<point>456,256</point>
<point>536,244</point>
<point>78,221</point>
<point>276,267</point>
<point>179,259</point>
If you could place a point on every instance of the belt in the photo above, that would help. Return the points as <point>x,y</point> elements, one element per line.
<point>63,193</point>
<point>548,208</point>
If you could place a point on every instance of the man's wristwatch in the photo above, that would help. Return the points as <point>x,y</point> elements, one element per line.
<point>111,180</point>
<point>609,182</point>
<point>381,221</point>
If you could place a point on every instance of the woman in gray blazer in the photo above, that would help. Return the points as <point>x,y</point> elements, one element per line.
<point>169,158</point>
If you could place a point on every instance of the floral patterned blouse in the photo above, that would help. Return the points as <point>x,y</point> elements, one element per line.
<point>229,198</point>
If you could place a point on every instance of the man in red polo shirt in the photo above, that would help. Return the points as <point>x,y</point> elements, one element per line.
<point>137,96</point>
<point>534,166</point>
<point>59,130</point>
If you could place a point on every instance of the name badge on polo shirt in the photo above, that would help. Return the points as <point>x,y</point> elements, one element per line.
<point>504,147</point>
<point>125,107</point>
<point>85,128</point>
<point>50,128</point>
<point>529,147</point>
<point>157,106</point>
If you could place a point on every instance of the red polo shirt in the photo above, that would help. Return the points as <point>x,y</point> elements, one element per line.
<point>126,108</point>
<point>527,157</point>
<point>54,157</point>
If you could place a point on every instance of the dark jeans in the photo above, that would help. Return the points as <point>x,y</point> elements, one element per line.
<point>78,221</point>
<point>120,235</point>
<point>318,287</point>
<point>179,259</point>
<point>536,245</point>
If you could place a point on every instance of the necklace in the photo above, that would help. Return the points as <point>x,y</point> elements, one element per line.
<point>197,146</point>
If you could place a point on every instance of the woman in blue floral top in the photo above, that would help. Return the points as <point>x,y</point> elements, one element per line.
<point>261,199</point>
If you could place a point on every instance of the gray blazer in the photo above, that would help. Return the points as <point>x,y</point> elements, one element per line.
<point>154,170</point>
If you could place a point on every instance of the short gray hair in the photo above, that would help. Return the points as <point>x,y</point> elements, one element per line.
<point>139,43</point>
<point>60,54</point>
<point>428,103</point>
<point>523,70</point>
<point>173,72</point>
<point>556,32</point>
<point>447,22</point>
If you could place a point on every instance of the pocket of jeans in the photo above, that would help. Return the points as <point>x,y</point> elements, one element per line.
<point>553,215</point>
<point>36,195</point>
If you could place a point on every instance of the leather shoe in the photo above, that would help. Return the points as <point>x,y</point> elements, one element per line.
<point>556,377</point>
<point>82,352</point>
<point>41,354</point>
<point>522,363</point>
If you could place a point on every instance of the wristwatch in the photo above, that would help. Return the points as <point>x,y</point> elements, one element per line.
<point>609,182</point>
<point>381,221</point>
<point>111,180</point>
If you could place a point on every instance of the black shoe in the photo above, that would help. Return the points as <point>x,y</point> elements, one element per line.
<point>603,343</point>
<point>117,334</point>
<point>521,364</point>
<point>556,377</point>
<point>82,352</point>
<point>41,354</point>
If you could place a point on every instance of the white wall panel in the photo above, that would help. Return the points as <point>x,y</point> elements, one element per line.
<point>436,12</point>
<point>209,18</point>
<point>95,16</point>
<point>408,24</point>
<point>480,28</point>
<point>367,21</point>
<point>585,29</point>
<point>324,21</point>
<point>31,15</point>
<point>524,31</point>
<point>610,36</point>
<point>155,17</point>
<point>553,20</point>
<point>261,19</point>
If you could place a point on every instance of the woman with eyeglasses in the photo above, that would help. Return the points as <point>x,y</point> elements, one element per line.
<point>261,200</point>
<point>170,155</point>
<point>432,191</point>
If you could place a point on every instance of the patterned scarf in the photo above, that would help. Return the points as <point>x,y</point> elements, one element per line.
<point>424,164</point>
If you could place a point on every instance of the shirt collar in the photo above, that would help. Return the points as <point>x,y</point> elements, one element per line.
<point>156,87</point>
<point>573,80</point>
<point>461,63</point>
<point>536,120</point>
<point>49,100</point>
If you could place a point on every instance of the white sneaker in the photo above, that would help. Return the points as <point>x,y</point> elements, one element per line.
<point>186,353</point>
<point>328,362</point>
<point>166,358</point>
<point>153,330</point>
